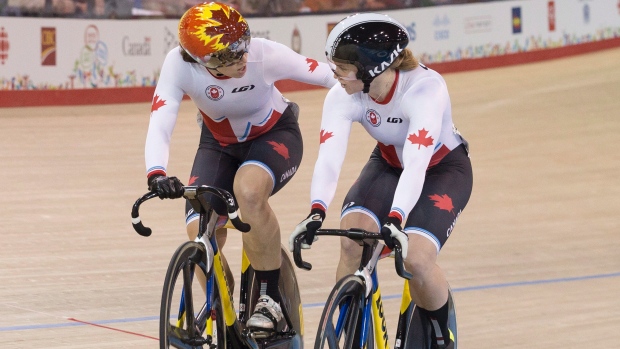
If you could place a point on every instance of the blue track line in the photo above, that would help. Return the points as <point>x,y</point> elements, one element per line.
<point>317,305</point>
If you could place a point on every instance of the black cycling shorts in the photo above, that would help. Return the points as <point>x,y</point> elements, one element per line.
<point>446,190</point>
<point>278,152</point>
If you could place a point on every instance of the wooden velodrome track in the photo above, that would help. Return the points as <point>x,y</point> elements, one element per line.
<point>533,261</point>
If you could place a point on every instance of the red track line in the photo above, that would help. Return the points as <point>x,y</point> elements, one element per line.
<point>112,328</point>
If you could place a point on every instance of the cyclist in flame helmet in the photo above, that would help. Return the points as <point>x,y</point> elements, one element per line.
<point>418,178</point>
<point>250,144</point>
<point>214,34</point>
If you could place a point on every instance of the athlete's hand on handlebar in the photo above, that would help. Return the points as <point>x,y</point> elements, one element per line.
<point>309,226</point>
<point>166,187</point>
<point>391,231</point>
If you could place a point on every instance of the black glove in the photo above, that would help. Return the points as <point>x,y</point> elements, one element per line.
<point>392,231</point>
<point>166,187</point>
<point>309,226</point>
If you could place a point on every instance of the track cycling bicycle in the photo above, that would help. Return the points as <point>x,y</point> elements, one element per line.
<point>206,315</point>
<point>354,316</point>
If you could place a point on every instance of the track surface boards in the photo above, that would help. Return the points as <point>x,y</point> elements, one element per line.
<point>533,259</point>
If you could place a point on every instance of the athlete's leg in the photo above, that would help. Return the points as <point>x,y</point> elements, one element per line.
<point>445,194</point>
<point>351,251</point>
<point>270,163</point>
<point>252,189</point>
<point>428,286</point>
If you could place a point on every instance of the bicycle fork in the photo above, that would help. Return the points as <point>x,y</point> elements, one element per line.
<point>378,316</point>
<point>373,303</point>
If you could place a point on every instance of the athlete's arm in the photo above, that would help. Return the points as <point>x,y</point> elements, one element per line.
<point>283,63</point>
<point>164,108</point>
<point>423,104</point>
<point>336,122</point>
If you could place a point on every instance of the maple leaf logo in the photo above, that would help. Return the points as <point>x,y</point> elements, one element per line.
<point>192,179</point>
<point>157,103</point>
<point>443,202</point>
<point>421,139</point>
<point>325,136</point>
<point>312,64</point>
<point>220,20</point>
<point>280,149</point>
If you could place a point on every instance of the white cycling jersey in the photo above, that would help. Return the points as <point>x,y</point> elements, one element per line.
<point>234,109</point>
<point>413,127</point>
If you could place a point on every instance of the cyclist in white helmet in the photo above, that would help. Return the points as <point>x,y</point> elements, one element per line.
<point>250,143</point>
<point>418,178</point>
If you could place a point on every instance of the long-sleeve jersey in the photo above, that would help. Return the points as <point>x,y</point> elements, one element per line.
<point>413,127</point>
<point>234,109</point>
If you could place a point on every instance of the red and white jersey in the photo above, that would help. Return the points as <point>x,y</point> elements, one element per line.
<point>234,109</point>
<point>413,127</point>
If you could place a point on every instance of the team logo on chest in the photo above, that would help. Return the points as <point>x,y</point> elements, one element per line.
<point>373,117</point>
<point>214,92</point>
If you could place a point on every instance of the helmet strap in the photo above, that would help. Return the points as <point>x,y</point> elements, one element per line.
<point>218,73</point>
<point>366,85</point>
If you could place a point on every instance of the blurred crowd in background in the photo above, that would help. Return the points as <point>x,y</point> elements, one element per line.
<point>126,9</point>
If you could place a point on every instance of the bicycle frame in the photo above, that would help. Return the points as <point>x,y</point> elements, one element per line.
<point>217,285</point>
<point>413,330</point>
<point>372,302</point>
<point>378,319</point>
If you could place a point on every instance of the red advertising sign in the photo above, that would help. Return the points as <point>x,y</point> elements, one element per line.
<point>48,46</point>
<point>551,15</point>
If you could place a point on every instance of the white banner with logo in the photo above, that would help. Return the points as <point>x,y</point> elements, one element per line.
<point>50,53</point>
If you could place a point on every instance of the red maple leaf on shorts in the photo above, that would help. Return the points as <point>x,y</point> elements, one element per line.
<point>325,136</point>
<point>157,103</point>
<point>420,139</point>
<point>280,149</point>
<point>192,179</point>
<point>443,202</point>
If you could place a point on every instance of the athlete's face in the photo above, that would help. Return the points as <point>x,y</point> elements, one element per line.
<point>346,75</point>
<point>236,69</point>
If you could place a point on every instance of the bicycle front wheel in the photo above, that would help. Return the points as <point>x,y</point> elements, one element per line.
<point>185,322</point>
<point>340,325</point>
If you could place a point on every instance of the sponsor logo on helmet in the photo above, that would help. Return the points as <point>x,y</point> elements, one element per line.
<point>214,92</point>
<point>373,117</point>
<point>385,64</point>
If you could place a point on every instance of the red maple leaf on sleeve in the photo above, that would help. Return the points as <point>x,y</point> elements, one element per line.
<point>312,64</point>
<point>325,136</point>
<point>421,139</point>
<point>443,202</point>
<point>157,103</point>
<point>280,149</point>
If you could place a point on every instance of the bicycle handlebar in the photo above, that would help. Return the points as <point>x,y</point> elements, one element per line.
<point>135,214</point>
<point>353,234</point>
<point>191,193</point>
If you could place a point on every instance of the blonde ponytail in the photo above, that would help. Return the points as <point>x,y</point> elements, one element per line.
<point>405,61</point>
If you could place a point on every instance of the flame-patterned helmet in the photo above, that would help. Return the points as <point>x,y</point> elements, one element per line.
<point>214,34</point>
